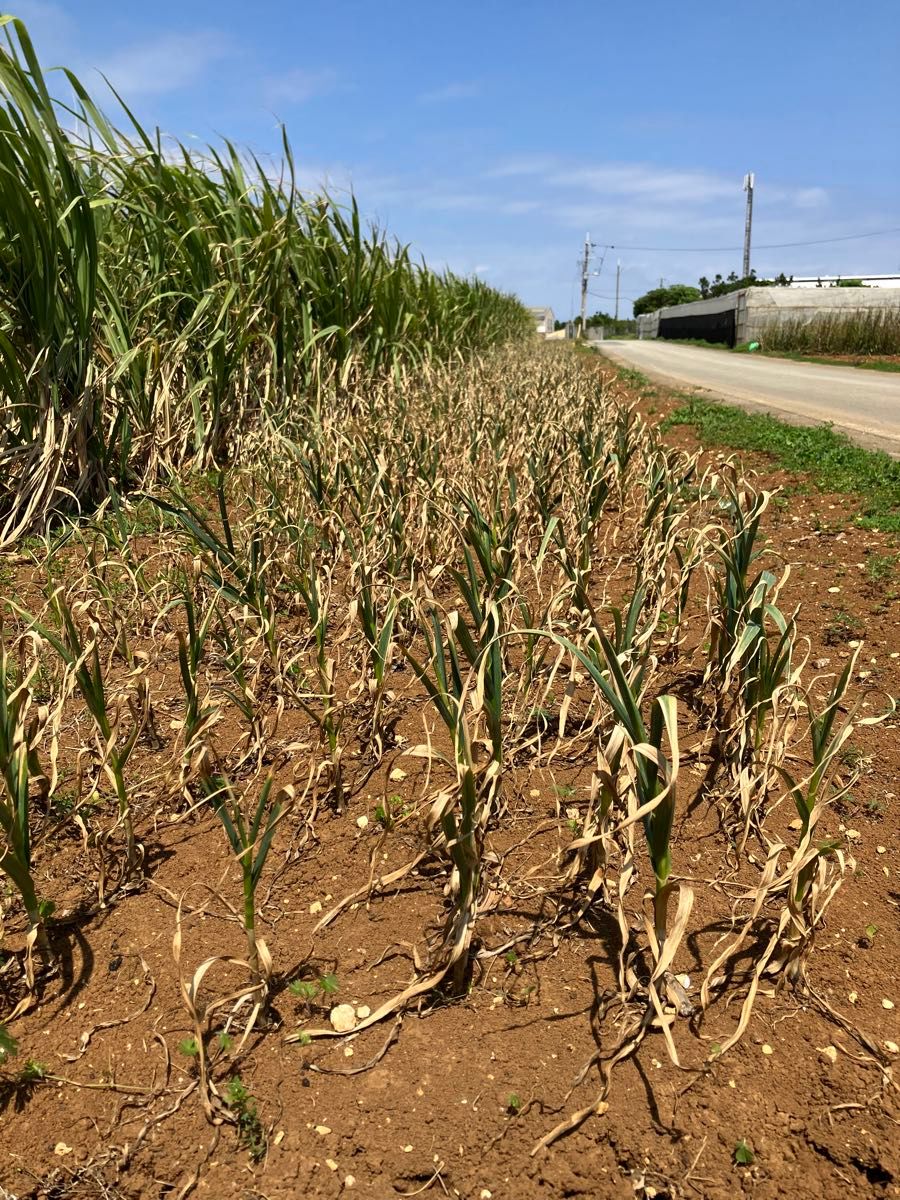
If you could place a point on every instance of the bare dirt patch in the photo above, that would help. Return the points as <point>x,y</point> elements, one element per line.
<point>451,1097</point>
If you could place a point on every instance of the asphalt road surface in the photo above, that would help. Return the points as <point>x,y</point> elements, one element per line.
<point>863,404</point>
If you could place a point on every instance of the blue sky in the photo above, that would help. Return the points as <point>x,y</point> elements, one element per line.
<point>491,136</point>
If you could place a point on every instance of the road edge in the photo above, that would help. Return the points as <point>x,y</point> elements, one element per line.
<point>856,434</point>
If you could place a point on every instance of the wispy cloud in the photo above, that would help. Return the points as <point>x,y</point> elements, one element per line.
<point>41,16</point>
<point>645,182</point>
<point>451,92</point>
<point>518,208</point>
<point>50,27</point>
<point>167,63</point>
<point>523,164</point>
<point>299,85</point>
<point>812,197</point>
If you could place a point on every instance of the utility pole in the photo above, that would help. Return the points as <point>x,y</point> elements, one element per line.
<point>618,274</point>
<point>584,280</point>
<point>748,224</point>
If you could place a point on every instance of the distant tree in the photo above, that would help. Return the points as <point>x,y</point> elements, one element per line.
<point>849,283</point>
<point>677,293</point>
<point>614,326</point>
<point>721,287</point>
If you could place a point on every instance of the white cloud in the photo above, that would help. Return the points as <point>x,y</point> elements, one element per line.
<point>644,184</point>
<point>525,164</point>
<point>166,63</point>
<point>812,197</point>
<point>49,26</point>
<point>518,208</point>
<point>450,92</point>
<point>299,85</point>
<point>641,180</point>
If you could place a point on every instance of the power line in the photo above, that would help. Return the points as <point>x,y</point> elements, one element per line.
<point>850,237</point>
<point>603,296</point>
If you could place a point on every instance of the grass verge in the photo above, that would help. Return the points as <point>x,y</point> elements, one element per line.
<point>833,463</point>
<point>862,364</point>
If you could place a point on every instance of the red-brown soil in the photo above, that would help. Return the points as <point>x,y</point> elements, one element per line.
<point>465,1087</point>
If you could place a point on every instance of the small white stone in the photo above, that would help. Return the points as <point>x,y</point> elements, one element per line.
<point>349,1181</point>
<point>362,822</point>
<point>853,834</point>
<point>363,1011</point>
<point>833,590</point>
<point>891,1047</point>
<point>323,1130</point>
<point>330,1164</point>
<point>887,1004</point>
<point>315,907</point>
<point>397,775</point>
<point>829,1052</point>
<point>342,1018</point>
<point>766,1048</point>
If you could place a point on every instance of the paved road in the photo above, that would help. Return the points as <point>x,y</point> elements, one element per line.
<point>864,404</point>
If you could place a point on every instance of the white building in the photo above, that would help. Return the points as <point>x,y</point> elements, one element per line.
<point>811,281</point>
<point>544,320</point>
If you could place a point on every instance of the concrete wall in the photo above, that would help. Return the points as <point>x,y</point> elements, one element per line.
<point>648,324</point>
<point>757,309</point>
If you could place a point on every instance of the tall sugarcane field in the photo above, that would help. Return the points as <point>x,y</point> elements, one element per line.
<point>425,768</point>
